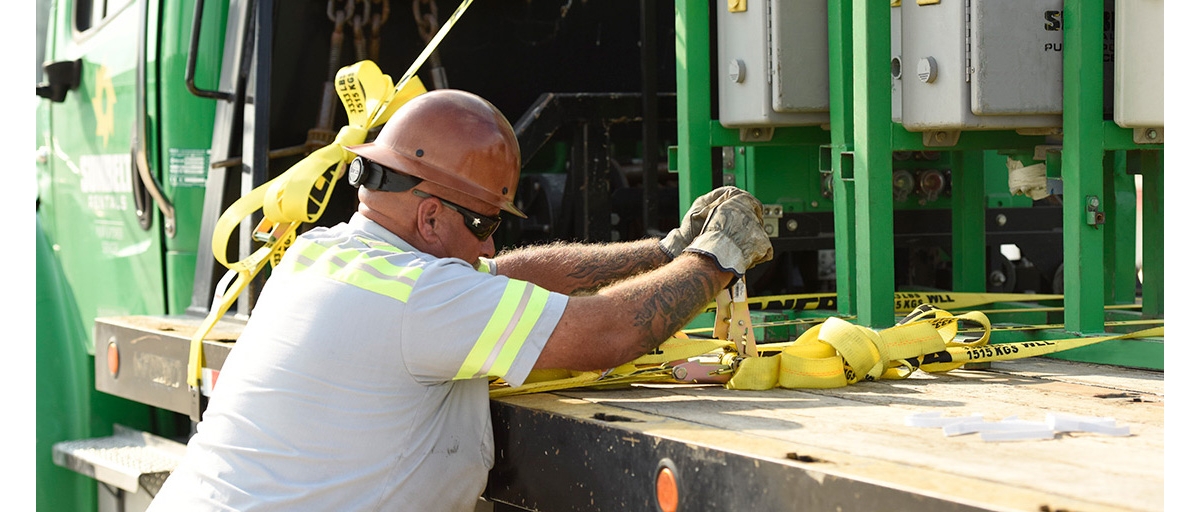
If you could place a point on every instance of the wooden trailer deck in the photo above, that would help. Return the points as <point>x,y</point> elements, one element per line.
<point>842,449</point>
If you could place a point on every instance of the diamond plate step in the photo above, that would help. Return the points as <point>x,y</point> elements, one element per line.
<point>129,459</point>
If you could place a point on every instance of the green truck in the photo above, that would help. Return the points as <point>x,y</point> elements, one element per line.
<point>155,117</point>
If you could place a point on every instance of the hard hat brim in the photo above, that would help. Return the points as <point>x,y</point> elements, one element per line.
<point>416,167</point>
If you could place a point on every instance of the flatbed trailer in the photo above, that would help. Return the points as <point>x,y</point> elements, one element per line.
<point>841,449</point>
<point>838,449</point>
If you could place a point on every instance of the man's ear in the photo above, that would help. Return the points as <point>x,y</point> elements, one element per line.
<point>427,220</point>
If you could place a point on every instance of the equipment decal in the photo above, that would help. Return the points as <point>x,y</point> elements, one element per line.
<point>187,167</point>
<point>105,181</point>
<point>104,101</point>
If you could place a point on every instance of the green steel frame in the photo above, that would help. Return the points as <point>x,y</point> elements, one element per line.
<point>858,146</point>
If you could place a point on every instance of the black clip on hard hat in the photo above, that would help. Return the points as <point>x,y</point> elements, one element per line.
<point>365,173</point>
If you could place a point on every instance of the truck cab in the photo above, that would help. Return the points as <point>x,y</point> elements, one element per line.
<point>122,153</point>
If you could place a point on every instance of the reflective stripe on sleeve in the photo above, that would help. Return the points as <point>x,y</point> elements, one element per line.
<point>512,321</point>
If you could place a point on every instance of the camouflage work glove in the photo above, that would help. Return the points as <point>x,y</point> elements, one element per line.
<point>692,222</point>
<point>734,236</point>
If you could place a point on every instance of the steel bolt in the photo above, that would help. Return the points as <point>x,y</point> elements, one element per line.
<point>792,224</point>
<point>1001,220</point>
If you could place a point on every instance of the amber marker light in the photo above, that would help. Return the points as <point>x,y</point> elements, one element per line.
<point>666,487</point>
<point>114,359</point>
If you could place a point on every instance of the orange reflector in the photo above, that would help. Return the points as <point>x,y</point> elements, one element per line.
<point>114,359</point>
<point>667,490</point>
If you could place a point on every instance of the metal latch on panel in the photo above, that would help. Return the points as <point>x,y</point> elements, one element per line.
<point>940,138</point>
<point>1094,216</point>
<point>756,134</point>
<point>737,5</point>
<point>771,215</point>
<point>1148,135</point>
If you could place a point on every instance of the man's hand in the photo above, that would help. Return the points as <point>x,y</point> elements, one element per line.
<point>733,235</point>
<point>693,221</point>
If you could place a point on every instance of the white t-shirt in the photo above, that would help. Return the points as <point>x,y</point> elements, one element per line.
<point>358,384</point>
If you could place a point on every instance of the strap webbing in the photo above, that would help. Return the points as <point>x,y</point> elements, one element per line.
<point>300,194</point>
<point>832,354</point>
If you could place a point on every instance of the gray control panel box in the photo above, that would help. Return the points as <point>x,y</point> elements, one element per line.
<point>772,63</point>
<point>897,71</point>
<point>981,64</point>
<point>1139,64</point>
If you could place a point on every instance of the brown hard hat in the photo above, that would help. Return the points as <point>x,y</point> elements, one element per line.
<point>458,143</point>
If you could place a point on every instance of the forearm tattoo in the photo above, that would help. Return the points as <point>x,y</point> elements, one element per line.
<point>594,271</point>
<point>667,307</point>
<point>578,269</point>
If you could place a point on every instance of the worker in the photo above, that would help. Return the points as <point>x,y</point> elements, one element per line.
<point>360,381</point>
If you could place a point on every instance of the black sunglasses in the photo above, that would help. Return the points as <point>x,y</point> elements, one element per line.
<point>363,172</point>
<point>481,226</point>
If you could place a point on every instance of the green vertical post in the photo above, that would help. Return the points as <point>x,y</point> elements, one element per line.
<point>693,100</point>
<point>872,107</point>
<point>968,223</point>
<point>745,166</point>
<point>841,123</point>
<point>1082,158</point>
<point>1153,280</point>
<point>1120,231</point>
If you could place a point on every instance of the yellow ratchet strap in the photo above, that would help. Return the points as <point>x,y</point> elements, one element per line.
<point>837,353</point>
<point>300,194</point>
<point>668,363</point>
<point>733,319</point>
<point>832,354</point>
<point>905,301</point>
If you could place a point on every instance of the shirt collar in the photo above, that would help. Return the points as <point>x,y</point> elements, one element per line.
<point>361,222</point>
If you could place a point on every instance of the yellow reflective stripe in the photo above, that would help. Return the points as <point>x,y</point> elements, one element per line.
<point>356,268</point>
<point>494,352</point>
<point>377,275</point>
<point>376,244</point>
<point>305,253</point>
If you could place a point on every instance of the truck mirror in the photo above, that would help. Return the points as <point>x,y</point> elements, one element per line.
<point>61,77</point>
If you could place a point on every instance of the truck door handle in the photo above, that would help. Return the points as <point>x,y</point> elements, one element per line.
<point>144,182</point>
<point>189,73</point>
<point>61,76</point>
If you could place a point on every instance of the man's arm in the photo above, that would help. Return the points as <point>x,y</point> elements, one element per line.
<point>623,321</point>
<point>584,268</point>
<point>574,268</point>
<point>633,315</point>
<point>627,319</point>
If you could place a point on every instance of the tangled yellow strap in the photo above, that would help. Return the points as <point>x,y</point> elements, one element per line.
<point>301,193</point>
<point>832,354</point>
<point>837,353</point>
